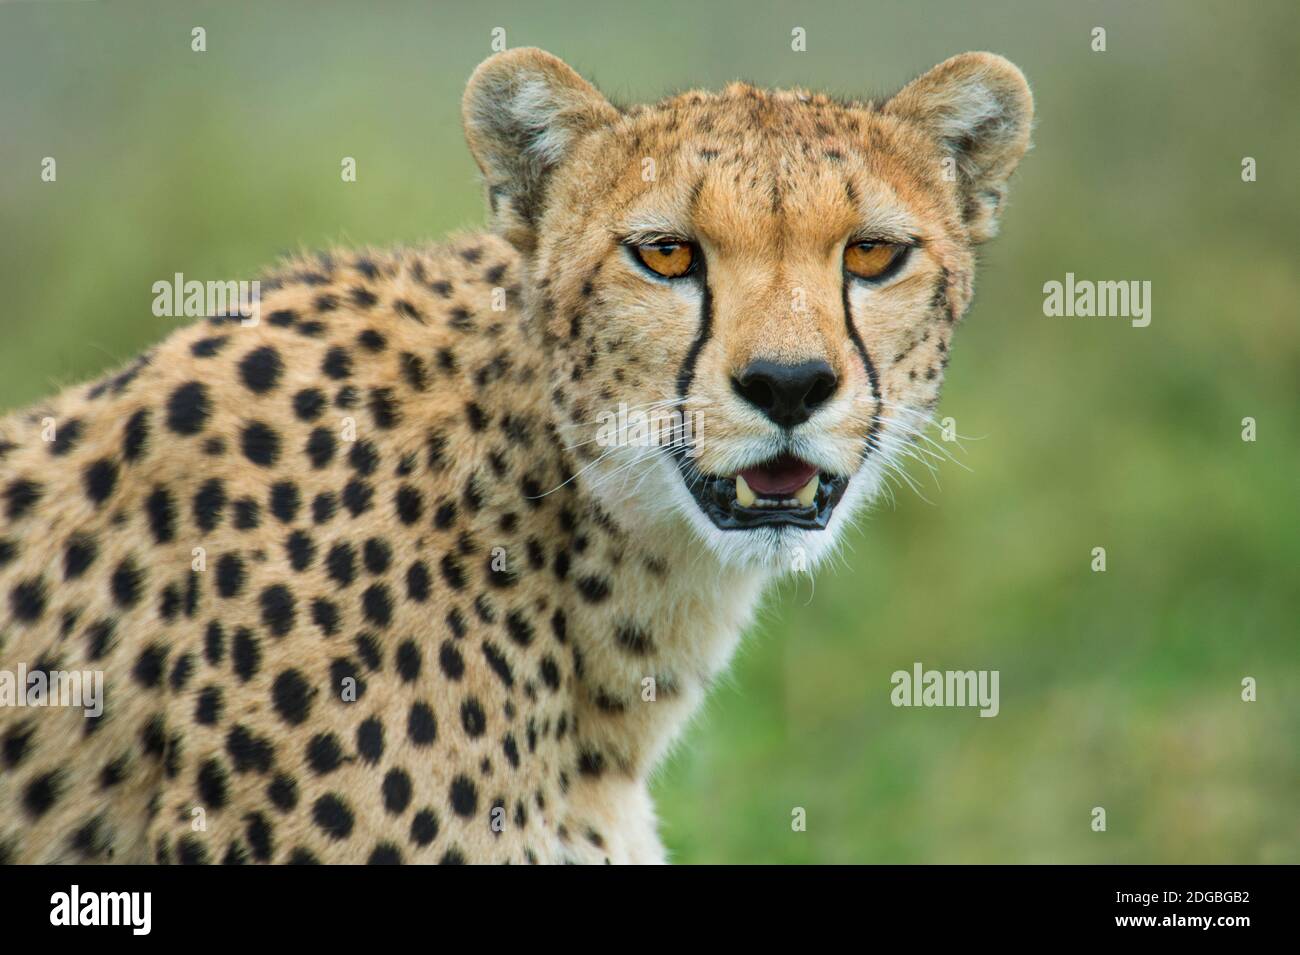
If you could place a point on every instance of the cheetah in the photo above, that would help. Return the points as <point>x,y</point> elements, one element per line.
<point>363,577</point>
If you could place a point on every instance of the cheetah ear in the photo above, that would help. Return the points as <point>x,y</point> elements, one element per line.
<point>523,111</point>
<point>978,106</point>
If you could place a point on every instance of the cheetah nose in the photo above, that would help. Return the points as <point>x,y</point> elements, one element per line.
<point>787,394</point>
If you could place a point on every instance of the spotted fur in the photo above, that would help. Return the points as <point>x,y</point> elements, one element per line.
<point>363,588</point>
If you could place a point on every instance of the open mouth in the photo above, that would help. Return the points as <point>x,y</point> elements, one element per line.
<point>783,492</point>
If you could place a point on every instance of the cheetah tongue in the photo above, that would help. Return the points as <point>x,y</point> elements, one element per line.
<point>781,478</point>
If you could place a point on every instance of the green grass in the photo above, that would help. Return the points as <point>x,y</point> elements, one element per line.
<point>1118,690</point>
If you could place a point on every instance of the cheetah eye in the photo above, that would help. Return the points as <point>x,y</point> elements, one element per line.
<point>672,260</point>
<point>874,260</point>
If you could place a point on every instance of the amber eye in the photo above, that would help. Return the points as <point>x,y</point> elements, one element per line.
<point>672,260</point>
<point>871,260</point>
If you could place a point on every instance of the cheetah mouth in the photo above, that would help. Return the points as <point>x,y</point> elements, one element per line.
<point>783,492</point>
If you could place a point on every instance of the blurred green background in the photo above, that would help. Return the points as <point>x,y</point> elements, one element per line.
<point>1118,689</point>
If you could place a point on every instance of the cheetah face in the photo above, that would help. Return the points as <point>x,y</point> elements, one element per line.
<point>764,285</point>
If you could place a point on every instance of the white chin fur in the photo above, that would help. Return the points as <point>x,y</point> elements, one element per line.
<point>654,500</point>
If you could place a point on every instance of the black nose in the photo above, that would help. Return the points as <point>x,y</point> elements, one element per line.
<point>788,394</point>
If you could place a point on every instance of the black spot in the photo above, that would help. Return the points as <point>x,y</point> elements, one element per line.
<point>511,749</point>
<point>333,816</point>
<point>323,507</point>
<point>302,856</point>
<point>27,599</point>
<point>283,318</point>
<point>473,718</point>
<point>66,437</point>
<point>500,666</point>
<point>231,575</point>
<point>358,497</point>
<point>370,740</point>
<point>149,666</point>
<point>20,495</point>
<point>550,673</point>
<point>408,661</point>
<point>261,369</point>
<point>383,408</point>
<point>259,835</point>
<point>456,622</point>
<point>212,784</point>
<point>301,550</point>
<point>261,444</point>
<point>478,421</point>
<point>279,609</point>
<point>397,791</point>
<point>445,516</point>
<point>435,450</point>
<point>245,654</point>
<point>633,639</point>
<point>320,447</point>
<point>520,630</point>
<point>192,852</point>
<point>308,404</point>
<point>283,793</point>
<point>452,572</point>
<point>285,500</point>
<point>207,347</point>
<point>407,310</point>
<point>424,827</point>
<point>377,605</point>
<point>363,457</point>
<point>325,614</point>
<point>291,695</point>
<point>324,754</point>
<point>409,504</point>
<point>208,707</point>
<point>209,501</point>
<point>414,373</point>
<point>421,726</point>
<point>593,589</point>
<point>126,583</point>
<point>337,364</point>
<point>370,339</point>
<point>42,793</point>
<point>345,397</point>
<point>418,582</point>
<point>8,551</point>
<point>248,514</point>
<point>591,763</point>
<point>99,479</point>
<point>464,797</point>
<point>182,670</point>
<point>114,772</point>
<point>452,663</point>
<point>188,408</point>
<point>161,508</point>
<point>385,854</point>
<point>341,563</point>
<point>17,743</point>
<point>248,751</point>
<point>99,638</point>
<point>368,648</point>
<point>214,643</point>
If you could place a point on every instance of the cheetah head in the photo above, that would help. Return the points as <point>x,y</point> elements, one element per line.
<point>747,297</point>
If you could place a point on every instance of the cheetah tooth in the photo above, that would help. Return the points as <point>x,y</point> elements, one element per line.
<point>744,495</point>
<point>808,493</point>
